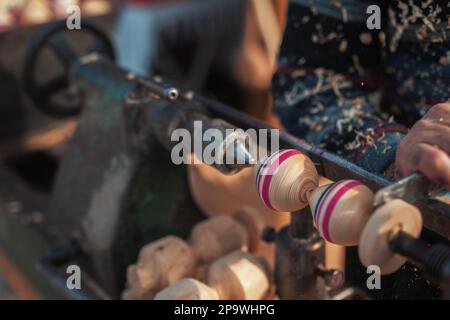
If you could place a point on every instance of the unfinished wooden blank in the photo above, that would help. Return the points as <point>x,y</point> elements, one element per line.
<point>239,276</point>
<point>187,289</point>
<point>160,264</point>
<point>217,236</point>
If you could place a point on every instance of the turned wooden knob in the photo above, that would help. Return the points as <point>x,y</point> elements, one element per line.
<point>217,236</point>
<point>284,179</point>
<point>340,211</point>
<point>187,289</point>
<point>374,246</point>
<point>160,264</point>
<point>239,276</point>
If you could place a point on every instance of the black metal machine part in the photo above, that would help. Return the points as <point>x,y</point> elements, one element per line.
<point>299,251</point>
<point>433,259</point>
<point>299,261</point>
<point>113,164</point>
<point>52,36</point>
<point>54,263</point>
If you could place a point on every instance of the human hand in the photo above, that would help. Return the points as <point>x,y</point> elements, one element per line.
<point>426,148</point>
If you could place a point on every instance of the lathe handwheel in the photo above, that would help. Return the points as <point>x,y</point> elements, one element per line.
<point>374,248</point>
<point>52,37</point>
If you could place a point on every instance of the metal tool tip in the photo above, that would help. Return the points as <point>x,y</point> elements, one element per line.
<point>242,156</point>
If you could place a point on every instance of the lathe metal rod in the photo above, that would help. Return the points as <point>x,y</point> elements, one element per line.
<point>232,153</point>
<point>163,91</point>
<point>436,215</point>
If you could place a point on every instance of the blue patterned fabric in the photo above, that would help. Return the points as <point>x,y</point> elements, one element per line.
<point>355,91</point>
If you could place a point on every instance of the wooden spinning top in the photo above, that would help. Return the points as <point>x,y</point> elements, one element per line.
<point>187,289</point>
<point>374,248</point>
<point>239,276</point>
<point>284,179</point>
<point>340,211</point>
<point>217,236</point>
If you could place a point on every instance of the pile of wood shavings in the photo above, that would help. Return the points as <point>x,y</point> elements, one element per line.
<point>369,138</point>
<point>425,17</point>
<point>326,81</point>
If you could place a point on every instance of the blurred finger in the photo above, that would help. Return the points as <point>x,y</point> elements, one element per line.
<point>432,133</point>
<point>433,162</point>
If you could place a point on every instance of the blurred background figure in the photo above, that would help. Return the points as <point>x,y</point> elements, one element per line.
<point>224,47</point>
<point>145,25</point>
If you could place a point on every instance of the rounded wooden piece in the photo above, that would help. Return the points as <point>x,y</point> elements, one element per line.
<point>254,223</point>
<point>239,276</point>
<point>284,179</point>
<point>187,289</point>
<point>374,245</point>
<point>133,294</point>
<point>219,194</point>
<point>139,283</point>
<point>340,211</point>
<point>217,236</point>
<point>160,264</point>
